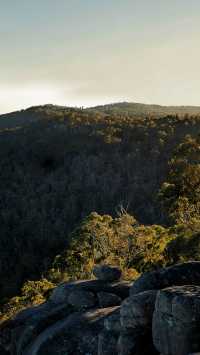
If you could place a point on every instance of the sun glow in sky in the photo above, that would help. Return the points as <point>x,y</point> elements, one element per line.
<point>88,52</point>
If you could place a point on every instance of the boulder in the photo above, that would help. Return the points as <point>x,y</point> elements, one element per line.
<point>77,334</point>
<point>81,299</point>
<point>121,288</point>
<point>107,343</point>
<point>127,344</point>
<point>181,274</point>
<point>137,311</point>
<point>107,273</point>
<point>15,334</point>
<point>61,293</point>
<point>40,320</point>
<point>107,299</point>
<point>176,320</point>
<point>135,344</point>
<point>112,323</point>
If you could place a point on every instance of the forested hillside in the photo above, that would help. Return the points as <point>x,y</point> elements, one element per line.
<point>138,109</point>
<point>58,165</point>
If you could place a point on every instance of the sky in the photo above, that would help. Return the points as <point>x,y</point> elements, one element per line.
<point>89,52</point>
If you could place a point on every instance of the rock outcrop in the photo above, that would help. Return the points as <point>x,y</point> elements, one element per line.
<point>176,320</point>
<point>157,314</point>
<point>179,275</point>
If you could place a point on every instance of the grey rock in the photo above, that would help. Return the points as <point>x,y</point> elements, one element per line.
<point>135,343</point>
<point>77,334</point>
<point>176,320</point>
<point>107,273</point>
<point>107,299</point>
<point>121,288</point>
<point>40,321</point>
<point>61,293</point>
<point>112,323</point>
<point>15,334</point>
<point>137,311</point>
<point>127,344</point>
<point>81,299</point>
<point>181,274</point>
<point>107,343</point>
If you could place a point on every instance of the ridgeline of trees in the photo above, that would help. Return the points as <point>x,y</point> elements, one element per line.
<point>64,172</point>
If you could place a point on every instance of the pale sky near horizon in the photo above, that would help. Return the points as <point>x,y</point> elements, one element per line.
<point>88,52</point>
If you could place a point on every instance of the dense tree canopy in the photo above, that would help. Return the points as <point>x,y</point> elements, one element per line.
<point>67,173</point>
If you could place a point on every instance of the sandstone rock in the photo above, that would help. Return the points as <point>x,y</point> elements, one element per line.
<point>112,323</point>
<point>107,299</point>
<point>107,343</point>
<point>181,274</point>
<point>81,299</point>
<point>176,320</point>
<point>107,273</point>
<point>137,311</point>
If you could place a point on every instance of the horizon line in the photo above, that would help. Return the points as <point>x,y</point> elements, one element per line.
<point>100,105</point>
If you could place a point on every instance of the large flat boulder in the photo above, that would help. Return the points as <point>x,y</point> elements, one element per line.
<point>61,293</point>
<point>180,274</point>
<point>76,334</point>
<point>176,320</point>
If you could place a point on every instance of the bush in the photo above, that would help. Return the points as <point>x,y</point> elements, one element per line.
<point>32,293</point>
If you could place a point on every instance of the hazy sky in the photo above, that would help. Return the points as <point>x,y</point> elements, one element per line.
<point>87,52</point>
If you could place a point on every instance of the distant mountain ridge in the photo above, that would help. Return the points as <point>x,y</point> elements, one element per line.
<point>17,119</point>
<point>146,109</point>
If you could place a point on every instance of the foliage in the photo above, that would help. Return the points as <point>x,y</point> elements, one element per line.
<point>98,239</point>
<point>119,241</point>
<point>185,246</point>
<point>149,247</point>
<point>32,293</point>
<point>180,195</point>
<point>59,164</point>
